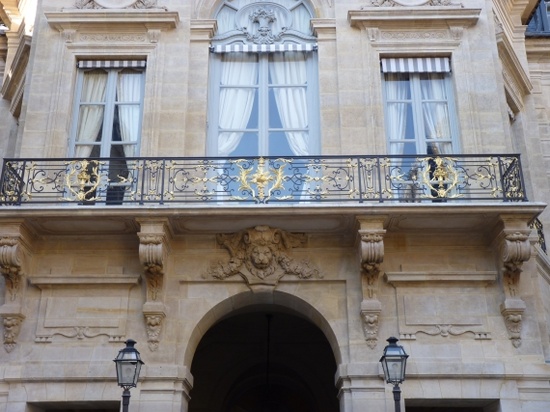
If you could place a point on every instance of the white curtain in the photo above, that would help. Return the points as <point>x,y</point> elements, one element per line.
<point>91,115</point>
<point>289,68</point>
<point>239,70</point>
<point>129,90</point>
<point>436,114</point>
<point>397,89</point>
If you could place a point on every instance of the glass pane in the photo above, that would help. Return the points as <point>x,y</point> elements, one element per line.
<point>247,146</point>
<point>397,87</point>
<point>433,86</point>
<point>278,144</point>
<point>436,120</point>
<point>400,123</point>
<point>90,122</point>
<point>129,86</point>
<point>93,86</point>
<point>126,123</point>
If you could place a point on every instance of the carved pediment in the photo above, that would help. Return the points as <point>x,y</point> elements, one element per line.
<point>261,255</point>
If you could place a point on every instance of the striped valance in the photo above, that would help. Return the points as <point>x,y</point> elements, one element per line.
<point>416,65</point>
<point>110,64</point>
<point>262,48</point>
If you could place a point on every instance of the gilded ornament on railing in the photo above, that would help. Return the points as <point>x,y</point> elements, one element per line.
<point>311,179</point>
<point>82,180</point>
<point>261,180</point>
<point>440,177</point>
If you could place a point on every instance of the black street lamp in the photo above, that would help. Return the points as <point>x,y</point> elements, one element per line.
<point>394,362</point>
<point>128,365</point>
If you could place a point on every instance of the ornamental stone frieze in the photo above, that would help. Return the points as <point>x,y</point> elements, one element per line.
<point>154,242</point>
<point>14,249</point>
<point>515,249</point>
<point>116,4</point>
<point>371,251</point>
<point>261,256</point>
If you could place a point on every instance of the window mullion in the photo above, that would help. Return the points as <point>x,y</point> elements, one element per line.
<point>418,113</point>
<point>263,106</point>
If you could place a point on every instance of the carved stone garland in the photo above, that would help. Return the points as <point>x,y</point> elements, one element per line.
<point>372,254</point>
<point>260,255</point>
<point>515,250</point>
<point>11,258</point>
<point>152,249</point>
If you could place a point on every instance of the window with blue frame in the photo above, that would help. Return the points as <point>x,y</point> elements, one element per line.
<point>539,23</point>
<point>263,82</point>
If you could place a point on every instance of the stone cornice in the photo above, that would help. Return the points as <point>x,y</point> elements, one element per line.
<point>106,20</point>
<point>405,17</point>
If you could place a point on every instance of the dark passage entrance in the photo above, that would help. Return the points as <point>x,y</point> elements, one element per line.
<point>264,361</point>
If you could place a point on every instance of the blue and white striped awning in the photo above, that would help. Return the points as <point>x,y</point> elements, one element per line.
<point>262,48</point>
<point>110,64</point>
<point>416,65</point>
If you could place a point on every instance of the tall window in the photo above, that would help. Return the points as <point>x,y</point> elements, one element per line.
<point>108,105</point>
<point>108,112</point>
<point>420,113</point>
<point>263,83</point>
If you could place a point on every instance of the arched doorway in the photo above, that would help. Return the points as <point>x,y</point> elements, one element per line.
<point>264,359</point>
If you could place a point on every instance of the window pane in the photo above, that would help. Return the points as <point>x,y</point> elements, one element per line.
<point>247,145</point>
<point>397,87</point>
<point>278,144</point>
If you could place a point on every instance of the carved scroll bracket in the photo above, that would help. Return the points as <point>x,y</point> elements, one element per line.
<point>515,249</point>
<point>15,241</point>
<point>154,245</point>
<point>371,255</point>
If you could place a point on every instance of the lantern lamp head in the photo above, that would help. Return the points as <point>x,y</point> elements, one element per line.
<point>394,362</point>
<point>128,365</point>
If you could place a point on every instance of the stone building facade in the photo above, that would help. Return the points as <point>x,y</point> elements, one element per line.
<point>260,193</point>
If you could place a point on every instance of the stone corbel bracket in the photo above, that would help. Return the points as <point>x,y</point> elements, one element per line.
<point>154,243</point>
<point>14,249</point>
<point>515,249</point>
<point>371,251</point>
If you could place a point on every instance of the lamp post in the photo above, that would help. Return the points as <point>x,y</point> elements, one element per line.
<point>394,362</point>
<point>128,365</point>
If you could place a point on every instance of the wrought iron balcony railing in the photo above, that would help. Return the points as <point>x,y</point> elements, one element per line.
<point>125,181</point>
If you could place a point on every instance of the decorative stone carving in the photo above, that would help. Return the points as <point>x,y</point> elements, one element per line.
<point>10,265</point>
<point>260,256</point>
<point>12,327</point>
<point>263,24</point>
<point>151,254</point>
<point>116,4</point>
<point>515,249</point>
<point>13,248</point>
<point>153,247</point>
<point>370,313</point>
<point>153,323</point>
<point>372,254</point>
